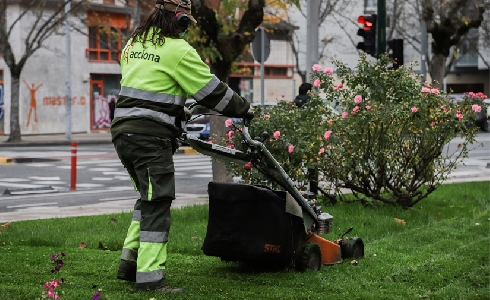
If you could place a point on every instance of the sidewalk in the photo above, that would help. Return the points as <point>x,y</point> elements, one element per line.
<point>93,138</point>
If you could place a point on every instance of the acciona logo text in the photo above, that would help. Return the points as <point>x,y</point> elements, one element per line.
<point>144,55</point>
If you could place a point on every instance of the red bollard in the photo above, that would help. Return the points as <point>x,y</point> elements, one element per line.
<point>73,185</point>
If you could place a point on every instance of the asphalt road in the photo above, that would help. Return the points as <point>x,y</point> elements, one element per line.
<point>38,184</point>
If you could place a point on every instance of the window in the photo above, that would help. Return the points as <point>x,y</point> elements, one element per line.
<point>106,36</point>
<point>105,44</point>
<point>276,71</point>
<point>371,4</point>
<point>468,54</point>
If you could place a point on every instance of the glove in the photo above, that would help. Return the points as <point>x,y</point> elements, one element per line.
<point>250,114</point>
<point>188,114</point>
<point>248,117</point>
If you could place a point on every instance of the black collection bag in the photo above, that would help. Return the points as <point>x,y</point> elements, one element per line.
<point>250,224</point>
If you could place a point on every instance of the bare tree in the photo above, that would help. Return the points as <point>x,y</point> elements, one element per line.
<point>448,23</point>
<point>47,18</point>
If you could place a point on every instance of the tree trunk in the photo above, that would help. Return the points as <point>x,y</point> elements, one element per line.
<point>15,135</point>
<point>437,70</point>
<point>218,131</point>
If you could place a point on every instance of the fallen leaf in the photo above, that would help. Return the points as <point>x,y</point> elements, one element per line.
<point>114,221</point>
<point>354,262</point>
<point>82,245</point>
<point>477,224</point>
<point>101,246</point>
<point>6,225</point>
<point>375,254</point>
<point>401,221</point>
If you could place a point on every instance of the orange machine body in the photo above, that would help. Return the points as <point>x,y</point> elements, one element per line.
<point>331,252</point>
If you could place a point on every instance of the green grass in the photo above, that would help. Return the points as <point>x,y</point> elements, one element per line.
<point>442,252</point>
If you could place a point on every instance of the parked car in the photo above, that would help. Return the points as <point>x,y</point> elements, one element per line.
<point>483,117</point>
<point>198,126</point>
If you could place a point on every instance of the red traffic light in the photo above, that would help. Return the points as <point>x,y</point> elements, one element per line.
<point>368,32</point>
<point>367,21</point>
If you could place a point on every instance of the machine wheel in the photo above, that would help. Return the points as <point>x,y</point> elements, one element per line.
<point>352,248</point>
<point>309,257</point>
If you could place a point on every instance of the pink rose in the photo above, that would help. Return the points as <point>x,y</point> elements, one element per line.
<point>322,150</point>
<point>330,122</point>
<point>476,108</point>
<point>316,67</point>
<point>290,148</point>
<point>316,83</point>
<point>338,87</point>
<point>434,91</point>
<point>228,122</point>
<point>276,134</point>
<point>358,99</point>
<point>328,71</point>
<point>355,109</point>
<point>267,116</point>
<point>230,133</point>
<point>282,95</point>
<point>345,114</point>
<point>414,109</point>
<point>368,107</point>
<point>425,90</point>
<point>327,134</point>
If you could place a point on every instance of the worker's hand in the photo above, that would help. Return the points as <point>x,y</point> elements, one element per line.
<point>188,114</point>
<point>248,117</point>
<point>250,113</point>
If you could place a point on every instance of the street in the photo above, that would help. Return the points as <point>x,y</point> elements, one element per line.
<point>38,184</point>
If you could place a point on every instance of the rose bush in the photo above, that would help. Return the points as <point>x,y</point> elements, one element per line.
<point>389,143</point>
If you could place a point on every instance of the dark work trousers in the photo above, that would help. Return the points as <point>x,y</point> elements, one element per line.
<point>149,162</point>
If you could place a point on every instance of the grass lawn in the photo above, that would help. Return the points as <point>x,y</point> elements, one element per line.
<point>440,251</point>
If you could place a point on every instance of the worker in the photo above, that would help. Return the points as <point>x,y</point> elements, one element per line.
<point>160,70</point>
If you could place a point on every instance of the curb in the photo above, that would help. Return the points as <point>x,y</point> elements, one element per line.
<point>186,150</point>
<point>6,160</point>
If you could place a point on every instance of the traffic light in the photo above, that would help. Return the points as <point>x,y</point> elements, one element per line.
<point>368,32</point>
<point>395,51</point>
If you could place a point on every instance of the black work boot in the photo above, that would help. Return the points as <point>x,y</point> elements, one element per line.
<point>127,271</point>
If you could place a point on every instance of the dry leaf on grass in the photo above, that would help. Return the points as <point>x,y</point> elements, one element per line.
<point>114,221</point>
<point>354,262</point>
<point>6,225</point>
<point>401,221</point>
<point>82,245</point>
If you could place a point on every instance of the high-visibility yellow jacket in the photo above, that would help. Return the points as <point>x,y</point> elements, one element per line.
<point>157,80</point>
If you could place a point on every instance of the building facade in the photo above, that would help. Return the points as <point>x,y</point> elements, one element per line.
<point>95,49</point>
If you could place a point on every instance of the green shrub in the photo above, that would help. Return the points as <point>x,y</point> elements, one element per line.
<point>389,142</point>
